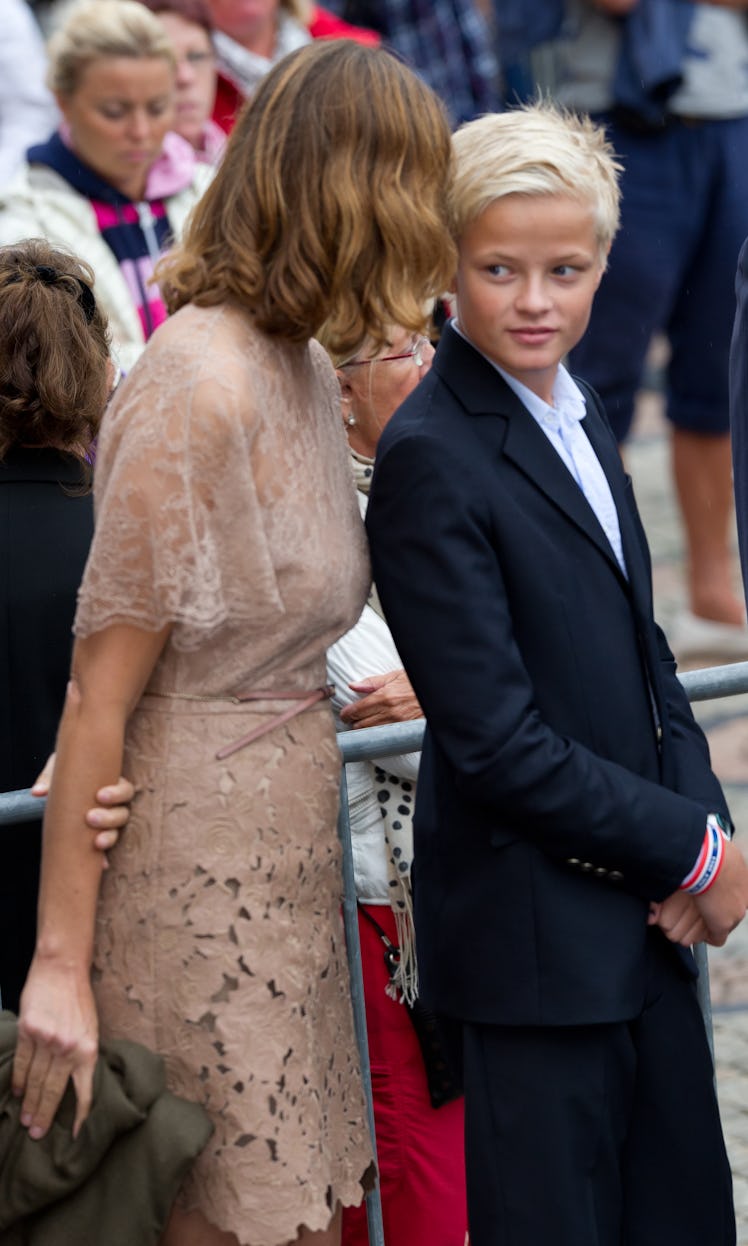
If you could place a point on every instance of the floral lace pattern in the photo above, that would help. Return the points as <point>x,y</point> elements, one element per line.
<point>219,940</point>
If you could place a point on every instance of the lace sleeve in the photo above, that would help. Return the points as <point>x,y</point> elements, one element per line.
<point>179,524</point>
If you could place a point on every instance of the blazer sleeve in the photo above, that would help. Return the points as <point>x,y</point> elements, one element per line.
<point>692,771</point>
<point>446,602</point>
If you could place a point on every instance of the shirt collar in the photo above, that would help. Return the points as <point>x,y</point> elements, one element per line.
<point>569,405</point>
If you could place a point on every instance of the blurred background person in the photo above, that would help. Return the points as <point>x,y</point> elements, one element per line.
<point>188,25</point>
<point>55,377</point>
<point>450,43</point>
<point>112,183</point>
<point>250,36</point>
<point>27,108</point>
<point>419,1146</point>
<point>669,82</point>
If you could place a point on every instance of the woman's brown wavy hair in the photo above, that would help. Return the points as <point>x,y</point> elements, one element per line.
<point>329,204</point>
<point>54,350</point>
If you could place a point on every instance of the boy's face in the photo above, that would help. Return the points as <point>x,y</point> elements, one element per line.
<point>527,272</point>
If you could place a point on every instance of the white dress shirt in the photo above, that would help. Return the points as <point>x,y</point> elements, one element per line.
<point>562,424</point>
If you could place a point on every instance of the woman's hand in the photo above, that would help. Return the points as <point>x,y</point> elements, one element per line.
<point>383,699</point>
<point>57,1039</point>
<point>110,814</point>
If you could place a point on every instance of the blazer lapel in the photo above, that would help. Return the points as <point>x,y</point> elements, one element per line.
<point>485,393</point>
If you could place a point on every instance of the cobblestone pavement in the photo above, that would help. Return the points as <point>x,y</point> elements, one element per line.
<point>726,724</point>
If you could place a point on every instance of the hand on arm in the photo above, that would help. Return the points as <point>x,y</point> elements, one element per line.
<point>110,813</point>
<point>58,1029</point>
<point>383,699</point>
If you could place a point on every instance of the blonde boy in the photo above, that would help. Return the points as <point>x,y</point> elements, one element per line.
<point>571,838</point>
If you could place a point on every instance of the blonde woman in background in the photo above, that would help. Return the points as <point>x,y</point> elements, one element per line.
<point>112,184</point>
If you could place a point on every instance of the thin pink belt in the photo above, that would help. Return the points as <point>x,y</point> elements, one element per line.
<point>301,701</point>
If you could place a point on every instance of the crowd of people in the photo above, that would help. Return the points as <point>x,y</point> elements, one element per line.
<point>223,238</point>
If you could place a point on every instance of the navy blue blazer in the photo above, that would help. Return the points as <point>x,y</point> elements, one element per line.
<point>564,782</point>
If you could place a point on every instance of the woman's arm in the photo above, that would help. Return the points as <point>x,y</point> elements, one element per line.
<point>110,813</point>
<point>58,1028</point>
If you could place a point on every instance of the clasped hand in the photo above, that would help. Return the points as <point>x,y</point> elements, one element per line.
<point>708,918</point>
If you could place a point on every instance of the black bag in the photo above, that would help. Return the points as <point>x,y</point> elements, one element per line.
<point>433,1032</point>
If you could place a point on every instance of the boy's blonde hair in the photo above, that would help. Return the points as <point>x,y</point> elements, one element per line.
<point>538,149</point>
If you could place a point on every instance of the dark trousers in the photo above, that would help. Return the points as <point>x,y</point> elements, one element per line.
<point>605,1135</point>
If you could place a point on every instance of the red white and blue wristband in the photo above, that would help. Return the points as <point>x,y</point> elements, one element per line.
<point>709,862</point>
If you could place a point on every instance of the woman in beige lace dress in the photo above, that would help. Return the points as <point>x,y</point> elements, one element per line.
<point>227,557</point>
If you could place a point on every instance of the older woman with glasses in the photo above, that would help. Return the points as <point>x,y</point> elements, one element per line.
<point>419,1147</point>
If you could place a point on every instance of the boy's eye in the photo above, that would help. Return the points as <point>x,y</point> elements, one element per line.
<point>564,270</point>
<point>497,270</point>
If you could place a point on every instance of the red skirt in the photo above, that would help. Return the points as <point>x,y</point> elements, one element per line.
<point>420,1149</point>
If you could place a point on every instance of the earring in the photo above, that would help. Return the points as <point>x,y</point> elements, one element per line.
<point>350,420</point>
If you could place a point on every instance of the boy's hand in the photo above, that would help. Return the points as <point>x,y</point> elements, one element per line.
<point>724,905</point>
<point>383,699</point>
<point>110,814</point>
<point>679,919</point>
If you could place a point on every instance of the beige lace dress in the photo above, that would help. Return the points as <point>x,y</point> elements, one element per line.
<point>224,504</point>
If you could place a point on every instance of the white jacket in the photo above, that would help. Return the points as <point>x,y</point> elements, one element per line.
<point>367,649</point>
<point>39,203</point>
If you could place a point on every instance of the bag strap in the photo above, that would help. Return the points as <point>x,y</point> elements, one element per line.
<point>391,950</point>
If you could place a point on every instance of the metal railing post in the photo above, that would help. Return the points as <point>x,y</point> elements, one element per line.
<point>374,1221</point>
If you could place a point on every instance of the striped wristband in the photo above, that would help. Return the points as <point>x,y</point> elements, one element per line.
<point>710,858</point>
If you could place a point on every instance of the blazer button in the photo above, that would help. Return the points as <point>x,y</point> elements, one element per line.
<point>573,861</point>
<point>615,876</point>
<point>601,871</point>
<point>586,866</point>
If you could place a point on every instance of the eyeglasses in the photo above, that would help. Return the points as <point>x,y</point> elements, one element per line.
<point>415,353</point>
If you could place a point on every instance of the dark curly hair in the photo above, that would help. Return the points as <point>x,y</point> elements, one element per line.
<point>54,350</point>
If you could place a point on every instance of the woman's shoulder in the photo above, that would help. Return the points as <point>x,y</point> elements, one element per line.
<point>205,337</point>
<point>192,373</point>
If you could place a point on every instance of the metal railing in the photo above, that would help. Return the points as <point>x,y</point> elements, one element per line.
<point>390,741</point>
